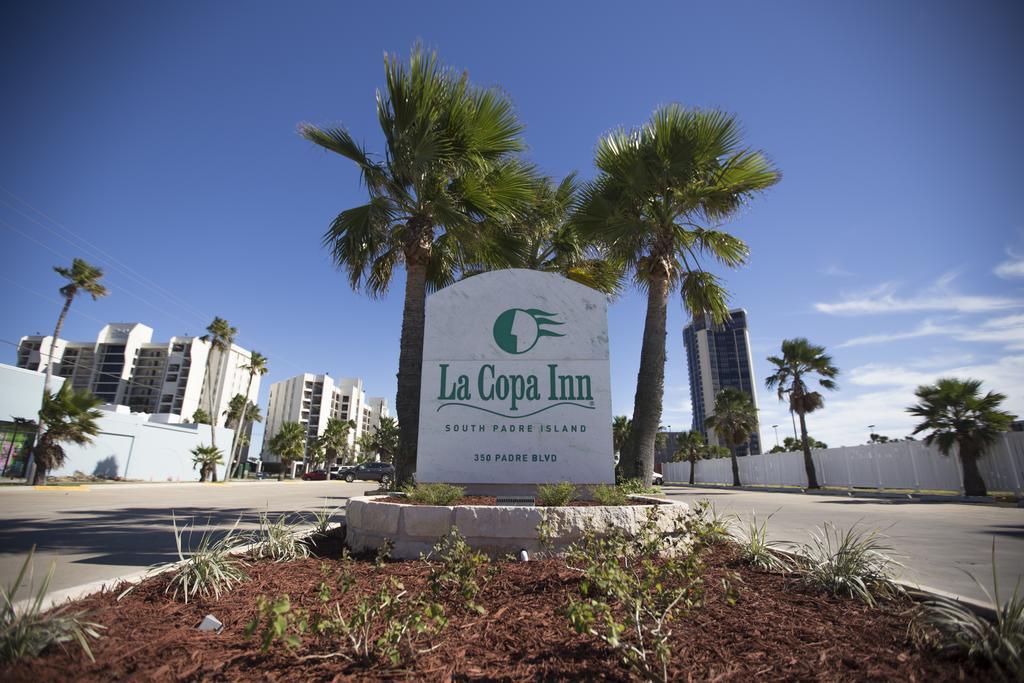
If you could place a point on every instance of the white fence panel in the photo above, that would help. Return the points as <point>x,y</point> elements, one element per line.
<point>898,465</point>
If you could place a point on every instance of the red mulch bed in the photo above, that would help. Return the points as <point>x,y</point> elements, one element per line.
<point>775,631</point>
<point>491,500</point>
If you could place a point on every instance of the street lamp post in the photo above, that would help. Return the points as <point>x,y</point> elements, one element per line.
<point>776,428</point>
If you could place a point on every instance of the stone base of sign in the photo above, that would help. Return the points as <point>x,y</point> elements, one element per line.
<point>495,530</point>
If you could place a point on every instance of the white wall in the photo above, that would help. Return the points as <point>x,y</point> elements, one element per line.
<point>898,465</point>
<point>131,447</point>
<point>21,392</point>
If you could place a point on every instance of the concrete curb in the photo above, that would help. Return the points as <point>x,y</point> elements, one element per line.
<point>64,595</point>
<point>881,495</point>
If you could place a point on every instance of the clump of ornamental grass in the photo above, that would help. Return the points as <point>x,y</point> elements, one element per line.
<point>757,551</point>
<point>434,494</point>
<point>209,569</point>
<point>555,495</point>
<point>28,630</point>
<point>950,626</point>
<point>608,495</point>
<point>323,519</point>
<point>280,540</point>
<point>853,563</point>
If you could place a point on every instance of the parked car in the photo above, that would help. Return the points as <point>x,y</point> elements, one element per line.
<point>657,479</point>
<point>314,475</point>
<point>369,471</point>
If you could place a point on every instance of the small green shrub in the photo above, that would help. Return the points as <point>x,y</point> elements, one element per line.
<point>608,495</point>
<point>280,622</point>
<point>555,495</point>
<point>853,563</point>
<point>711,527</point>
<point>457,569</point>
<point>384,551</point>
<point>279,541</point>
<point>210,569</point>
<point>952,627</point>
<point>632,588</point>
<point>28,631</point>
<point>382,625</point>
<point>633,487</point>
<point>434,494</point>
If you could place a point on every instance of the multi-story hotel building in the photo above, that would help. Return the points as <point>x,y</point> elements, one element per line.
<point>718,356</point>
<point>311,400</point>
<point>125,367</point>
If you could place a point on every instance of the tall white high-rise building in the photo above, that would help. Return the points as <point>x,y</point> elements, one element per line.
<point>125,367</point>
<point>311,400</point>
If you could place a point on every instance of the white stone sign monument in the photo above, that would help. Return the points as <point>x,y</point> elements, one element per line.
<point>516,386</point>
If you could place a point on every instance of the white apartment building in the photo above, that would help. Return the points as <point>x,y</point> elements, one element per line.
<point>311,400</point>
<point>125,367</point>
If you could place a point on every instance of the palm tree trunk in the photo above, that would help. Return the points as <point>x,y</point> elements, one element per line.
<point>974,483</point>
<point>209,394</point>
<point>410,368</point>
<point>812,477</point>
<point>693,467</point>
<point>650,384</point>
<point>46,386</point>
<point>735,467</point>
<point>240,428</point>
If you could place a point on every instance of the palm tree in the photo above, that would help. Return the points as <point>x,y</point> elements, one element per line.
<point>734,420</point>
<point>660,193</point>
<point>289,443</point>
<point>81,277</point>
<point>207,458</point>
<point>219,335</point>
<point>801,358</point>
<point>959,416</point>
<point>448,166</point>
<point>200,417</point>
<point>546,239</point>
<point>384,440</point>
<point>621,428</point>
<point>335,439</point>
<point>70,417</point>
<point>233,415</point>
<point>690,447</point>
<point>257,365</point>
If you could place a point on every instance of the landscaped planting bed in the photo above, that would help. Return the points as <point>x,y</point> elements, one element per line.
<point>467,617</point>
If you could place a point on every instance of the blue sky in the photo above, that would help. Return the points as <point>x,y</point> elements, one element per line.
<point>159,141</point>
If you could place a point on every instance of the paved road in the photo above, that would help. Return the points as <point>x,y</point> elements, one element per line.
<point>115,529</point>
<point>934,541</point>
<point>111,530</point>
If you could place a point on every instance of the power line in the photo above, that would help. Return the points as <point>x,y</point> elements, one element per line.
<point>107,284</point>
<point>116,265</point>
<point>103,255</point>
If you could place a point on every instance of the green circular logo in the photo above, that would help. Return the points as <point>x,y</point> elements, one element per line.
<point>518,330</point>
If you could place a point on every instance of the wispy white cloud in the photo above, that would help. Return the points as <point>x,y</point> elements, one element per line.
<point>1007,330</point>
<point>1011,268</point>
<point>835,270</point>
<point>925,329</point>
<point>879,394</point>
<point>938,297</point>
